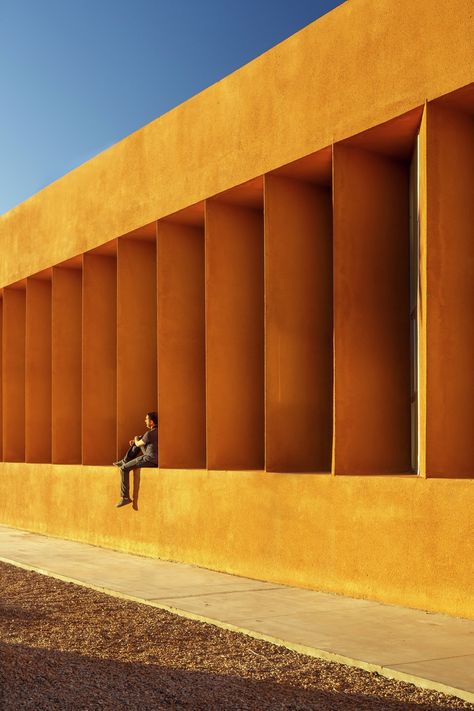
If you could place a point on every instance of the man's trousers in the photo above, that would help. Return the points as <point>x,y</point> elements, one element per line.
<point>133,459</point>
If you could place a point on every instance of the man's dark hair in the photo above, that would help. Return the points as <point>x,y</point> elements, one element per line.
<point>153,417</point>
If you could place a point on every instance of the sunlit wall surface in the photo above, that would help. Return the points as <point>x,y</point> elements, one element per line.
<point>291,285</point>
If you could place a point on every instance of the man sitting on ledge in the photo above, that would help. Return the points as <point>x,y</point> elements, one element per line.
<point>143,452</point>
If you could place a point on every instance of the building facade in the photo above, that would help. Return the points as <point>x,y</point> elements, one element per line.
<point>283,266</point>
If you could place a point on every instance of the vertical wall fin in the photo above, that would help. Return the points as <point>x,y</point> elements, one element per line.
<point>234,336</point>
<point>67,365</point>
<point>372,309</point>
<point>38,370</point>
<point>181,345</point>
<point>14,309</point>
<point>1,375</point>
<point>99,359</point>
<point>422,293</point>
<point>136,336</point>
<point>450,270</point>
<point>298,327</point>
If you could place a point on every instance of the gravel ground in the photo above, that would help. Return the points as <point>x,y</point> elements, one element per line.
<point>65,647</point>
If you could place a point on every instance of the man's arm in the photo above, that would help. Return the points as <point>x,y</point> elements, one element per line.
<point>139,442</point>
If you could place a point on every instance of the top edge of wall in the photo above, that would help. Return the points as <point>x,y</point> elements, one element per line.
<point>313,89</point>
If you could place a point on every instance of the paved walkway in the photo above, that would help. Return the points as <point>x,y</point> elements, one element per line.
<point>429,650</point>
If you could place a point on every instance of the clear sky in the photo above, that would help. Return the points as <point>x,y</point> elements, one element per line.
<point>76,76</point>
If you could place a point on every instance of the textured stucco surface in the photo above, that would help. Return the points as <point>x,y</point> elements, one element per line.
<point>400,540</point>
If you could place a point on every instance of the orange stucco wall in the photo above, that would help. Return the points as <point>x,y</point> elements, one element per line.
<point>234,336</point>
<point>371,326</point>
<point>38,371</point>
<point>181,345</point>
<point>1,371</point>
<point>298,325</point>
<point>450,334</point>
<point>136,337</point>
<point>243,264</point>
<point>99,360</point>
<point>399,540</point>
<point>13,362</point>
<point>66,365</point>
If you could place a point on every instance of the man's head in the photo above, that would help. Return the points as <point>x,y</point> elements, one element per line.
<point>151,419</point>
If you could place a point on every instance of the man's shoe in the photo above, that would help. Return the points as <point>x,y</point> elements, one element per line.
<point>123,502</point>
<point>118,464</point>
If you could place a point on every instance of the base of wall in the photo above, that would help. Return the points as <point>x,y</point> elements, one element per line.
<point>397,539</point>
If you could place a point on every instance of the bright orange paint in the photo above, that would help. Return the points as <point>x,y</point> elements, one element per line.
<point>246,260</point>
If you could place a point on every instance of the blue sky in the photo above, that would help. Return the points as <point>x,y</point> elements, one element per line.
<point>76,76</point>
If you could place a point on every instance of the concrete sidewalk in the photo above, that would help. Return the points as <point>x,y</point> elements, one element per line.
<point>429,650</point>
